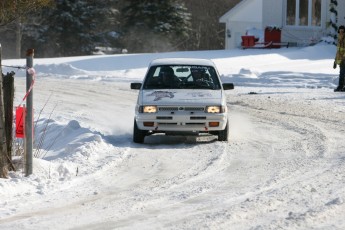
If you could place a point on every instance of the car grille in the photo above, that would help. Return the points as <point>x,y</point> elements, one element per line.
<point>198,118</point>
<point>181,108</point>
<point>163,118</point>
<point>170,118</point>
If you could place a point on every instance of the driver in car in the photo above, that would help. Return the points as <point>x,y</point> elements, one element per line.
<point>201,78</point>
<point>168,77</point>
<point>197,74</point>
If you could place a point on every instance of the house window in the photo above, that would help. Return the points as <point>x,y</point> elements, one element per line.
<point>316,13</point>
<point>303,12</point>
<point>291,12</point>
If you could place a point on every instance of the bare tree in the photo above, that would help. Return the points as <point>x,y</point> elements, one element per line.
<point>207,32</point>
<point>12,14</point>
<point>10,10</point>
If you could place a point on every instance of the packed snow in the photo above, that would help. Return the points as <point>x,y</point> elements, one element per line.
<point>283,167</point>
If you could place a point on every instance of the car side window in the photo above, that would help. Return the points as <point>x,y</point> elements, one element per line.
<point>152,78</point>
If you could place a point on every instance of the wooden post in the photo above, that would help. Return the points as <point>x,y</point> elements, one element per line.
<point>8,86</point>
<point>3,147</point>
<point>29,113</point>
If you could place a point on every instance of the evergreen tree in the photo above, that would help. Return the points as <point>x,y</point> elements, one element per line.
<point>154,25</point>
<point>333,20</point>
<point>74,27</point>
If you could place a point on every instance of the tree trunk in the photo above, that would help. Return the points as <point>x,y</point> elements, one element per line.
<point>18,29</point>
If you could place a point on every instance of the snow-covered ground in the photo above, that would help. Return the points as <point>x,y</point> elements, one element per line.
<point>283,168</point>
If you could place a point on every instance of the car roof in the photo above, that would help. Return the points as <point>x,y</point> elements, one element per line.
<point>182,61</point>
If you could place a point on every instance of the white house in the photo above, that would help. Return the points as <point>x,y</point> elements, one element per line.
<point>301,22</point>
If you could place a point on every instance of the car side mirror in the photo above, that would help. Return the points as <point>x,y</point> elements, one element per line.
<point>227,86</point>
<point>136,85</point>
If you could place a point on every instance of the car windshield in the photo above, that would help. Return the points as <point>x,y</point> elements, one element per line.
<point>182,77</point>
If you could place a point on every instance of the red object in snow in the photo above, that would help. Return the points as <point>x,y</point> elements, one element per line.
<point>248,41</point>
<point>273,35</point>
<point>20,122</point>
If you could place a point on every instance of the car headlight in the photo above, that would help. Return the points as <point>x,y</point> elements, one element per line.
<point>148,109</point>
<point>215,109</point>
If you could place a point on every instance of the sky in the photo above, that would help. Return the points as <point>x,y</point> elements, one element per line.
<point>282,168</point>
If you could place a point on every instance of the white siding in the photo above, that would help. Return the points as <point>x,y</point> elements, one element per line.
<point>273,15</point>
<point>341,12</point>
<point>301,36</point>
<point>238,30</point>
<point>262,13</point>
<point>247,16</point>
<point>249,12</point>
<point>309,35</point>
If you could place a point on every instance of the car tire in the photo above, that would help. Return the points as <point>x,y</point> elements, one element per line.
<point>223,135</point>
<point>138,134</point>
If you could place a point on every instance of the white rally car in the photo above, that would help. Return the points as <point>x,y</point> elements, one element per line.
<point>181,96</point>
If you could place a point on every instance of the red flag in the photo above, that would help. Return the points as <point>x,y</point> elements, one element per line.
<point>20,122</point>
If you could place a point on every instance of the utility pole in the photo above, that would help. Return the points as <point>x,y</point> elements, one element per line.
<point>29,113</point>
<point>3,144</point>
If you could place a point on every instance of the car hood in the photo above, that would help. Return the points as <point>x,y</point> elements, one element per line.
<point>181,97</point>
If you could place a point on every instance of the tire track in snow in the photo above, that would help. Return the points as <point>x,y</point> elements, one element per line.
<point>288,197</point>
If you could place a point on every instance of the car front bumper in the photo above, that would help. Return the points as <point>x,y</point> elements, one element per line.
<point>181,122</point>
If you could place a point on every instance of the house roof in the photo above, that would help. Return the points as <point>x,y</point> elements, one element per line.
<point>236,8</point>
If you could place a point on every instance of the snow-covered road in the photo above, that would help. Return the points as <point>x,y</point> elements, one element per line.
<point>283,168</point>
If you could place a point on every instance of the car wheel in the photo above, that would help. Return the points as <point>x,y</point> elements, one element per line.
<point>223,135</point>
<point>138,134</point>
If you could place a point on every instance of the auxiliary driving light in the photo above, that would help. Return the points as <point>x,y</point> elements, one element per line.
<point>213,124</point>
<point>149,124</point>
